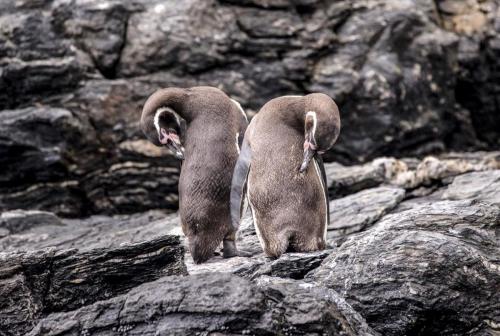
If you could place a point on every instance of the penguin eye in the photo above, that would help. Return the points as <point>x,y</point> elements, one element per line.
<point>170,123</point>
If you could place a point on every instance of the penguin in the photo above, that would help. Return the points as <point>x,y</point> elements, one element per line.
<point>204,128</point>
<point>281,173</point>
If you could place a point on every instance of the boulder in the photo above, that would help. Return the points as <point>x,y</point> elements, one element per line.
<point>357,212</point>
<point>480,186</point>
<point>36,283</point>
<point>35,230</point>
<point>431,269</point>
<point>213,303</point>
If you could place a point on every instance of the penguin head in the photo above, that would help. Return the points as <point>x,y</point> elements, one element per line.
<point>321,129</point>
<point>165,127</point>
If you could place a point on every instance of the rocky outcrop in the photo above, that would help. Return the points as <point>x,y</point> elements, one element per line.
<point>480,186</point>
<point>355,213</point>
<point>431,269</point>
<point>413,241</point>
<point>412,174</point>
<point>419,257</point>
<point>411,78</point>
<point>213,303</point>
<point>55,161</point>
<point>34,284</point>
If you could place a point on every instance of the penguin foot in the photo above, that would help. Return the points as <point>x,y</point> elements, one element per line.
<point>229,250</point>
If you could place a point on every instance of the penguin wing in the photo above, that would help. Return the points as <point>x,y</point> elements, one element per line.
<point>319,161</point>
<point>238,184</point>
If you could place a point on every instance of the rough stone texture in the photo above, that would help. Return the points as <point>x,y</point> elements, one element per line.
<point>481,186</point>
<point>215,304</point>
<point>19,220</point>
<point>432,269</point>
<point>357,212</point>
<point>55,161</point>
<point>343,180</point>
<point>408,265</point>
<point>410,77</point>
<point>39,231</point>
<point>293,265</point>
<point>408,173</point>
<point>35,284</point>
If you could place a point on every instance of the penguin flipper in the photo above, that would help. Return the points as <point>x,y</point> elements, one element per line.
<point>238,184</point>
<point>319,161</point>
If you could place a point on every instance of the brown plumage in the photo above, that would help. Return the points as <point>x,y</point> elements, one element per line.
<point>201,125</point>
<point>287,194</point>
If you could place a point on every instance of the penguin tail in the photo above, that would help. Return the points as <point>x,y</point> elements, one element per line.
<point>239,184</point>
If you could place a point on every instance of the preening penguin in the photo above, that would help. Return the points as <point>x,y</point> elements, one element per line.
<point>203,127</point>
<point>286,193</point>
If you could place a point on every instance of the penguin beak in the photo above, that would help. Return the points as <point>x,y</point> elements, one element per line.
<point>172,141</point>
<point>309,152</point>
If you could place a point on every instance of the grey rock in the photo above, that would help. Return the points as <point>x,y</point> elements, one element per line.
<point>212,303</point>
<point>97,28</point>
<point>128,187</point>
<point>247,237</point>
<point>414,77</point>
<point>292,265</point>
<point>430,269</point>
<point>346,180</point>
<point>55,161</point>
<point>34,61</point>
<point>35,284</point>
<point>21,220</point>
<point>85,234</point>
<point>190,35</point>
<point>357,212</point>
<point>36,144</point>
<point>477,25</point>
<point>37,151</point>
<point>63,198</point>
<point>269,24</point>
<point>417,176</point>
<point>480,186</point>
<point>241,266</point>
<point>308,305</point>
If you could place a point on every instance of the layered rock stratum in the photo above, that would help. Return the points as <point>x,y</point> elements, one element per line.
<point>411,77</point>
<point>414,252</point>
<point>90,243</point>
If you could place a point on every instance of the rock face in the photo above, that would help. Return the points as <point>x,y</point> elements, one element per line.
<point>356,212</point>
<point>483,186</point>
<point>216,304</point>
<point>87,244</point>
<point>431,269</point>
<point>416,254</point>
<point>410,77</point>
<point>34,284</point>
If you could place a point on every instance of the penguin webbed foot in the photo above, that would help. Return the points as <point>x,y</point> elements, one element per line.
<point>230,250</point>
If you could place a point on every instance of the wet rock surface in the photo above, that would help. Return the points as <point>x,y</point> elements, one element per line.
<point>411,78</point>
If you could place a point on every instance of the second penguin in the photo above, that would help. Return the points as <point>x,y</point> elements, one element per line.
<point>281,170</point>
